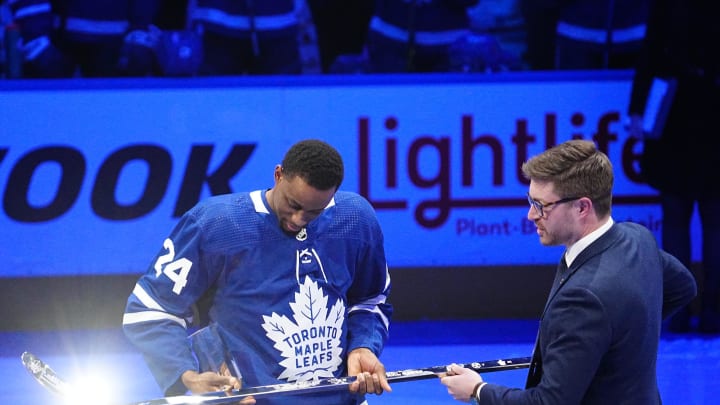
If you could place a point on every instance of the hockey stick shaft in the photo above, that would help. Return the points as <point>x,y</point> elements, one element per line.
<point>331,384</point>
<point>50,380</point>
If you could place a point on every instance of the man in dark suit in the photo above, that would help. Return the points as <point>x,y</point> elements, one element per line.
<point>679,159</point>
<point>599,332</point>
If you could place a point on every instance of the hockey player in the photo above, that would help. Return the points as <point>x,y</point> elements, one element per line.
<point>416,35</point>
<point>298,279</point>
<point>599,34</point>
<point>64,38</point>
<point>248,36</point>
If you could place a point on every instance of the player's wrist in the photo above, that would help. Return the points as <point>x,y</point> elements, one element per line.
<point>189,379</point>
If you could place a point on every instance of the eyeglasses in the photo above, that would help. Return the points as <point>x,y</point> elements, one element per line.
<point>540,207</point>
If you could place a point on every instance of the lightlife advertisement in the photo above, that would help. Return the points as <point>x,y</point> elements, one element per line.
<point>94,177</point>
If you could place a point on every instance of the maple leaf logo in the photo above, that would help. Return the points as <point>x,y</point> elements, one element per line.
<point>311,343</point>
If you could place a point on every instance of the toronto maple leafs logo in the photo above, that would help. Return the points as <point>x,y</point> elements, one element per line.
<point>311,343</point>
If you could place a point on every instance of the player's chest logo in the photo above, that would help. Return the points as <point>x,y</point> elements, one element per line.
<point>310,342</point>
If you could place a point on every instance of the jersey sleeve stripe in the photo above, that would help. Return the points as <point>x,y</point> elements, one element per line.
<point>148,316</point>
<point>373,305</point>
<point>146,299</point>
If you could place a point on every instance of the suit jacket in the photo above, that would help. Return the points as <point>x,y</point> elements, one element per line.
<point>599,332</point>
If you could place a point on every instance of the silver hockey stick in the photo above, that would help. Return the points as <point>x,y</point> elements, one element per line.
<point>45,375</point>
<point>50,380</point>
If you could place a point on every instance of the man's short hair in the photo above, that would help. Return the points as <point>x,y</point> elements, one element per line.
<point>316,162</point>
<point>576,168</point>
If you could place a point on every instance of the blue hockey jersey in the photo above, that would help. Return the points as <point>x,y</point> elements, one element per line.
<point>241,19</point>
<point>434,22</point>
<point>289,307</point>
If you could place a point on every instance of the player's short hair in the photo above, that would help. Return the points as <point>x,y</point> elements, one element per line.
<point>316,162</point>
<point>576,168</point>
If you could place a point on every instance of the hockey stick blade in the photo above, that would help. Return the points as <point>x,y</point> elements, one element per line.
<point>47,377</point>
<point>331,384</point>
<point>44,375</point>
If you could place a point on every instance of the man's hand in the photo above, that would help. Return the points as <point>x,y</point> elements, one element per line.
<point>370,372</point>
<point>200,383</point>
<point>460,382</point>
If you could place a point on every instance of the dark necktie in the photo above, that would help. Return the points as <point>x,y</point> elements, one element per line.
<point>560,275</point>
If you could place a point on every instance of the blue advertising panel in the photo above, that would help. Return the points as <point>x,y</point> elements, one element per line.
<point>94,176</point>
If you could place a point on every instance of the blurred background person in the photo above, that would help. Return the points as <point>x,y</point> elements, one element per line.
<point>584,34</point>
<point>503,21</point>
<point>247,36</point>
<point>87,38</point>
<point>681,45</point>
<point>416,35</point>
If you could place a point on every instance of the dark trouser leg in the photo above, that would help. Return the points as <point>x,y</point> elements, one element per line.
<point>709,210</point>
<point>677,212</point>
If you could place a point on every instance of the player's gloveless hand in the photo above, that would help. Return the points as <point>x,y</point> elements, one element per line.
<point>200,383</point>
<point>370,372</point>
